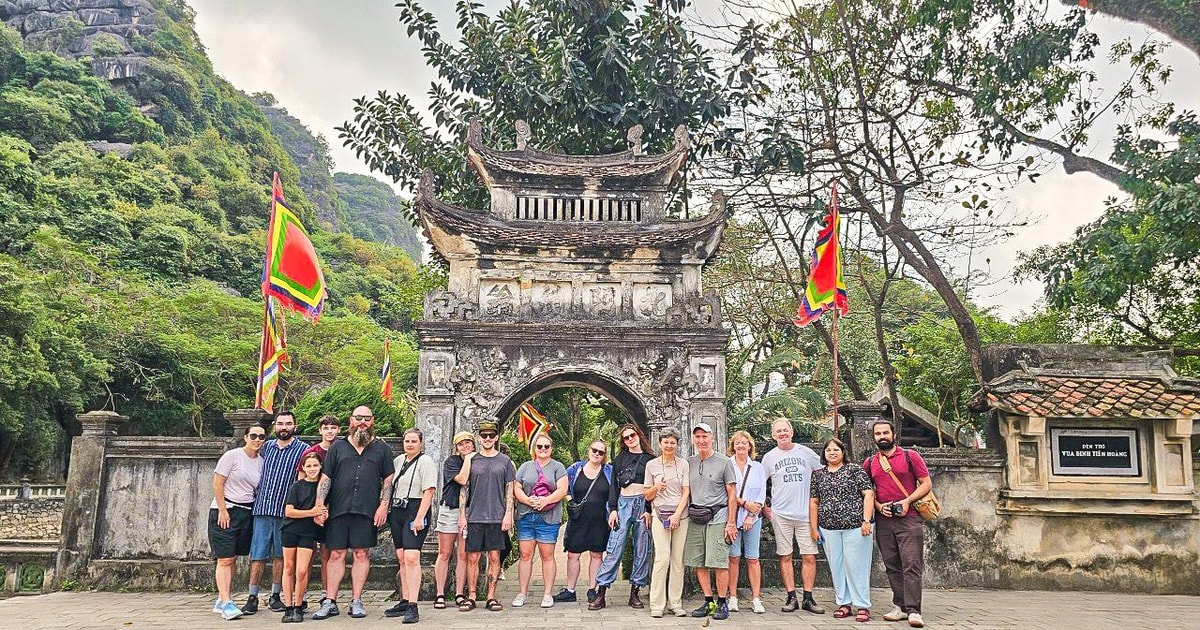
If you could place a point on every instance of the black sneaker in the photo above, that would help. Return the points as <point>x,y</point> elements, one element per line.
<point>813,607</point>
<point>287,615</point>
<point>411,615</point>
<point>276,603</point>
<point>565,596</point>
<point>706,608</point>
<point>400,608</point>
<point>251,606</point>
<point>721,612</point>
<point>591,595</point>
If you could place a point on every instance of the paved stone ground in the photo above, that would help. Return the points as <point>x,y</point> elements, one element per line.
<point>974,609</point>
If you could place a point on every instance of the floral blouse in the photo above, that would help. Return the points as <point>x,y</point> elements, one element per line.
<point>839,496</point>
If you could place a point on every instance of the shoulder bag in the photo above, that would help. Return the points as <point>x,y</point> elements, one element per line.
<point>928,506</point>
<point>575,508</point>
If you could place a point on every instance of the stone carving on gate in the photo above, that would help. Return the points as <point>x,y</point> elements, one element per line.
<point>498,299</point>
<point>667,387</point>
<point>651,301</point>
<point>602,300</point>
<point>441,304</point>
<point>550,299</point>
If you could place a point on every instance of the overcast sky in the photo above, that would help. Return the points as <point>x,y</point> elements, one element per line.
<point>316,56</point>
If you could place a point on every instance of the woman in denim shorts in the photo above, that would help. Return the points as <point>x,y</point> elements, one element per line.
<point>539,491</point>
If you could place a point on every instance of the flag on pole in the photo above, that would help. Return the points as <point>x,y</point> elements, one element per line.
<point>272,355</point>
<point>531,424</point>
<point>826,287</point>
<point>385,376</point>
<point>291,271</point>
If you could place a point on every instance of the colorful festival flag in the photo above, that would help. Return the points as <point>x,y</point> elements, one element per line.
<point>826,287</point>
<point>291,271</point>
<point>531,424</point>
<point>272,354</point>
<point>385,376</point>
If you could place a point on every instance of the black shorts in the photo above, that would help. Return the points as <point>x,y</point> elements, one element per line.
<point>485,537</point>
<point>399,521</point>
<point>351,531</point>
<point>303,539</point>
<point>234,540</point>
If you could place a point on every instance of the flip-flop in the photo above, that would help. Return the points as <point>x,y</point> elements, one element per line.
<point>842,612</point>
<point>439,602</point>
<point>467,605</point>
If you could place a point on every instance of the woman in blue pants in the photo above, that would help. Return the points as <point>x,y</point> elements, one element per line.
<point>629,471</point>
<point>842,510</point>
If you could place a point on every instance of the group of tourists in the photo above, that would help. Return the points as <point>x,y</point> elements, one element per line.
<point>283,500</point>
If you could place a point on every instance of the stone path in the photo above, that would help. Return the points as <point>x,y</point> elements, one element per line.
<point>973,609</point>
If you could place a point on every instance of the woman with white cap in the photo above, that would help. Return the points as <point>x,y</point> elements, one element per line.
<point>449,535</point>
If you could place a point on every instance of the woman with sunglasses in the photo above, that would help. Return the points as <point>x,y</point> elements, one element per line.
<point>235,480</point>
<point>627,507</point>
<point>540,488</point>
<point>587,527</point>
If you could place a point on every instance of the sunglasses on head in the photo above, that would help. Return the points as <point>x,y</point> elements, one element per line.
<point>257,436</point>
<point>542,447</point>
<point>599,452</point>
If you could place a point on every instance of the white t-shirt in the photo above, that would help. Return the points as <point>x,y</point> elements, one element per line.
<point>241,473</point>
<point>790,473</point>
<point>419,477</point>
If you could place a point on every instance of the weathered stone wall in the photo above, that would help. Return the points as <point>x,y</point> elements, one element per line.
<point>30,519</point>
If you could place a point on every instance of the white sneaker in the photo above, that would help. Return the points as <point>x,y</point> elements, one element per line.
<point>732,604</point>
<point>678,611</point>
<point>520,600</point>
<point>915,620</point>
<point>757,606</point>
<point>897,614</point>
<point>547,601</point>
<point>502,575</point>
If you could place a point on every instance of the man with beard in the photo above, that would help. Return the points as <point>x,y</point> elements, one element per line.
<point>356,486</point>
<point>899,530</point>
<point>279,460</point>
<point>789,469</point>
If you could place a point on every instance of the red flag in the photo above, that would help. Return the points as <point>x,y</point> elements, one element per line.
<point>826,288</point>
<point>291,271</point>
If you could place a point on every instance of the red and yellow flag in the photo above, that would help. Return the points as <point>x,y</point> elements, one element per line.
<point>531,423</point>
<point>385,376</point>
<point>291,271</point>
<point>272,354</point>
<point>826,287</point>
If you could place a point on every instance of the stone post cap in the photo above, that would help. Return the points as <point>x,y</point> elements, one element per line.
<point>861,410</point>
<point>100,423</point>
<point>241,419</point>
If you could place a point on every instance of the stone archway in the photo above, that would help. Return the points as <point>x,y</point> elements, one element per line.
<point>574,275</point>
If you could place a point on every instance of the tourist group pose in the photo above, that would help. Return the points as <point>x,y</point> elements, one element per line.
<point>285,501</point>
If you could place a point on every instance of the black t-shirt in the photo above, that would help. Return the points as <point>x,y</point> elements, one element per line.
<point>356,479</point>
<point>451,488</point>
<point>302,496</point>
<point>628,468</point>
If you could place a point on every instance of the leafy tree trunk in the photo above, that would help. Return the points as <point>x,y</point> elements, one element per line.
<point>1179,20</point>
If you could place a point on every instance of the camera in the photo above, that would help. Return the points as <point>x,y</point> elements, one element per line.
<point>894,509</point>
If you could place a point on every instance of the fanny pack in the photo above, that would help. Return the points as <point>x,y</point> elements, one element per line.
<point>702,514</point>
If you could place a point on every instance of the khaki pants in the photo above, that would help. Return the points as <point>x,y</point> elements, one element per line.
<point>668,565</point>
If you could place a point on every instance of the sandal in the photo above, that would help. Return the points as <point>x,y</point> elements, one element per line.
<point>494,605</point>
<point>864,615</point>
<point>467,605</point>
<point>842,612</point>
<point>439,602</point>
<point>459,598</point>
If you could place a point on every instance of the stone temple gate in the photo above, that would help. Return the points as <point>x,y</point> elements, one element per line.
<point>574,277</point>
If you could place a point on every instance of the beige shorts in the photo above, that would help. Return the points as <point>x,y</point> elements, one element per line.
<point>788,530</point>
<point>447,520</point>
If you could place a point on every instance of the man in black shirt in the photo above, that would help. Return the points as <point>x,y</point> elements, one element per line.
<point>356,487</point>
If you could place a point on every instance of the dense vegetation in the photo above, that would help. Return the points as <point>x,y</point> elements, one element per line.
<point>131,247</point>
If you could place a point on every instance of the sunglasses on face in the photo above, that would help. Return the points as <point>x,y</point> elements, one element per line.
<point>487,436</point>
<point>596,451</point>
<point>257,436</point>
<point>542,447</point>
<point>363,418</point>
<point>628,436</point>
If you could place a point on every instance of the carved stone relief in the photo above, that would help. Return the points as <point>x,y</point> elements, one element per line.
<point>651,301</point>
<point>441,304</point>
<point>498,298</point>
<point>602,300</point>
<point>550,299</point>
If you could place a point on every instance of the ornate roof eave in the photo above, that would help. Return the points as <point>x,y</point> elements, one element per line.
<point>457,232</point>
<point>623,168</point>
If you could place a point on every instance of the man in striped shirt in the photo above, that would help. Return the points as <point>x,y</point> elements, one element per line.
<point>279,459</point>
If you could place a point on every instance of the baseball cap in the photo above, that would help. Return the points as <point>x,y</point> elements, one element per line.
<point>463,435</point>
<point>702,426</point>
<point>487,426</point>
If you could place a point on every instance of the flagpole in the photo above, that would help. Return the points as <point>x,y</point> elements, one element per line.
<point>835,370</point>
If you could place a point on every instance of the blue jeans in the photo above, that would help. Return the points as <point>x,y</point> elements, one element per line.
<point>629,513</point>
<point>849,555</point>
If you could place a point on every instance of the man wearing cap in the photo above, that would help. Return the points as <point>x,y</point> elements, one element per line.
<point>449,535</point>
<point>710,528</point>
<point>789,470</point>
<point>487,512</point>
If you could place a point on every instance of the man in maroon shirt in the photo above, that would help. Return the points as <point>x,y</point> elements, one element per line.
<point>899,530</point>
